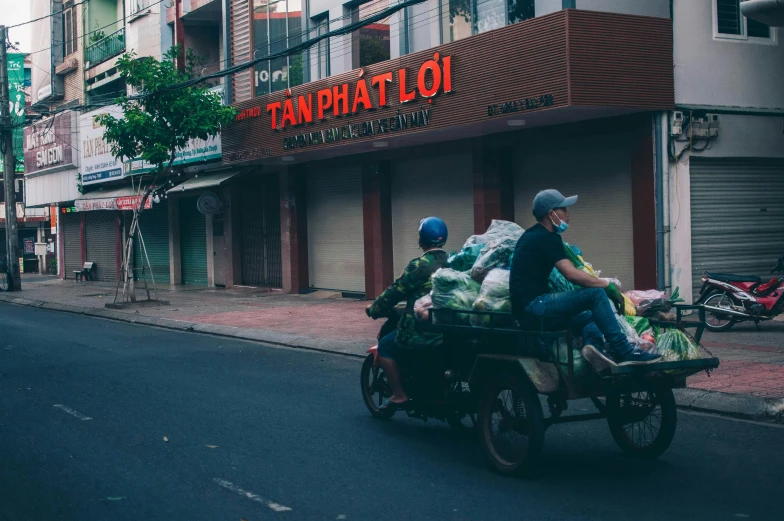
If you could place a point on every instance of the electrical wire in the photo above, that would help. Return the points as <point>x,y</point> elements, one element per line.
<point>48,15</point>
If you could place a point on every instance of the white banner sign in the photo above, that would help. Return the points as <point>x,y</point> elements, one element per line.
<point>98,163</point>
<point>87,205</point>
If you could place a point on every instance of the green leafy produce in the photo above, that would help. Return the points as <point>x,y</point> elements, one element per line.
<point>493,297</point>
<point>454,290</point>
<point>674,345</point>
<point>640,324</point>
<point>494,255</point>
<point>464,259</point>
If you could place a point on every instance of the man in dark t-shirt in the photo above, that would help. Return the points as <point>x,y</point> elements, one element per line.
<point>588,309</point>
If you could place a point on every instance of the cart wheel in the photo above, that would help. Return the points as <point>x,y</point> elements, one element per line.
<point>511,424</point>
<point>463,423</point>
<point>642,423</point>
<point>374,382</point>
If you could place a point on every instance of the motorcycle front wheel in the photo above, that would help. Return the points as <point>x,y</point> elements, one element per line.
<point>373,382</point>
<point>718,322</point>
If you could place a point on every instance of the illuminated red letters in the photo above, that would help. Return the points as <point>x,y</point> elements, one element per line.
<point>380,82</point>
<point>305,106</point>
<point>324,102</point>
<point>432,77</point>
<point>361,95</point>
<point>273,108</point>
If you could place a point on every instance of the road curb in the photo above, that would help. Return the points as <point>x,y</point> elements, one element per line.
<point>353,349</point>
<point>734,405</point>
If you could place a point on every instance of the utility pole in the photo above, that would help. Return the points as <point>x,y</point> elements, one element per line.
<point>9,169</point>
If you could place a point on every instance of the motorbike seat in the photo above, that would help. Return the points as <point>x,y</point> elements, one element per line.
<point>728,277</point>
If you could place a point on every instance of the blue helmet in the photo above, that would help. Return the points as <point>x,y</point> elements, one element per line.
<point>432,232</point>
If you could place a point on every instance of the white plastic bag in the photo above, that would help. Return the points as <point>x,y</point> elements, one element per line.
<point>494,298</point>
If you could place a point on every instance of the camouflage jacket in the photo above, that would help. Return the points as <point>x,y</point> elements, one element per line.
<point>412,284</point>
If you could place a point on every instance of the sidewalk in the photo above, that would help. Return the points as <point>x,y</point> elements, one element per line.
<point>749,381</point>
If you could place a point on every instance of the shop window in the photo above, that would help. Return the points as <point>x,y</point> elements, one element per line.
<point>730,24</point>
<point>463,18</point>
<point>70,34</point>
<point>371,42</point>
<point>415,32</point>
<point>319,55</point>
<point>277,26</point>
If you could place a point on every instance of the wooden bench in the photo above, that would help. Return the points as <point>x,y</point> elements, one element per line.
<point>86,272</point>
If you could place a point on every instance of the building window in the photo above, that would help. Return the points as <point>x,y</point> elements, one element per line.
<point>731,24</point>
<point>371,42</point>
<point>277,25</point>
<point>70,35</point>
<point>319,55</point>
<point>463,18</point>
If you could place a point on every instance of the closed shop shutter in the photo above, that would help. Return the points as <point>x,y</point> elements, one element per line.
<point>260,225</point>
<point>193,243</point>
<point>70,227</point>
<point>598,170</point>
<point>737,216</point>
<point>154,225</point>
<point>336,246</point>
<point>438,186</point>
<point>100,243</point>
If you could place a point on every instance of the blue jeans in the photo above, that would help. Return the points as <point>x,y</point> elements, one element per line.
<point>387,347</point>
<point>589,312</point>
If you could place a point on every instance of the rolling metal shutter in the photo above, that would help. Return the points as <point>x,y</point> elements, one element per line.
<point>261,249</point>
<point>100,243</point>
<point>336,246</point>
<point>70,227</point>
<point>154,225</point>
<point>438,186</point>
<point>193,242</point>
<point>737,216</point>
<point>598,170</point>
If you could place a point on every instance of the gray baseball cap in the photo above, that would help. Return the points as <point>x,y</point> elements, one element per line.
<point>547,200</point>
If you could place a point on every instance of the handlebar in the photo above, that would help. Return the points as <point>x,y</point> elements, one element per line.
<point>779,267</point>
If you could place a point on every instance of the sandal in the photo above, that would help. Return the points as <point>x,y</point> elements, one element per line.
<point>389,405</point>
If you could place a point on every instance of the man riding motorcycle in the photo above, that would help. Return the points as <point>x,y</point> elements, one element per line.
<point>588,309</point>
<point>413,284</point>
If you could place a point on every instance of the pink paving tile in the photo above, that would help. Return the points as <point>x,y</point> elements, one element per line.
<point>335,321</point>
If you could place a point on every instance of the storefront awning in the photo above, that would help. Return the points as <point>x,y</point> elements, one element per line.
<point>114,198</point>
<point>205,181</point>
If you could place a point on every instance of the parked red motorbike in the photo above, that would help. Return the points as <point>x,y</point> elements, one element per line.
<point>729,299</point>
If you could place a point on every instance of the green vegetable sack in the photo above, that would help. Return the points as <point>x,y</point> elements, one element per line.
<point>494,298</point>
<point>464,259</point>
<point>454,290</point>
<point>674,345</point>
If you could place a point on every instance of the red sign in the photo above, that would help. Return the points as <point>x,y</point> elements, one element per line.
<point>433,76</point>
<point>133,202</point>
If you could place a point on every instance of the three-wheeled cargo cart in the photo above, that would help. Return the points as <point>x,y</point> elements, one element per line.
<point>511,372</point>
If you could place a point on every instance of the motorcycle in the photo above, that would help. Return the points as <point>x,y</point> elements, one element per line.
<point>432,378</point>
<point>729,299</point>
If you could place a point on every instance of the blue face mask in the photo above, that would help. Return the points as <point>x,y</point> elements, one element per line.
<point>560,228</point>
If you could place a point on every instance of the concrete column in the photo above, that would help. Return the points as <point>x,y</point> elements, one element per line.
<point>232,234</point>
<point>643,170</point>
<point>377,218</point>
<point>294,229</point>
<point>81,236</point>
<point>493,185</point>
<point>175,255</point>
<point>210,251</point>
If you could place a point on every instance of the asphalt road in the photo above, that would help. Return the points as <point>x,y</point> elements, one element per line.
<point>260,433</point>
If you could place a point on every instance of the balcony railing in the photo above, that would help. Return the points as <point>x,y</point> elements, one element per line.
<point>107,47</point>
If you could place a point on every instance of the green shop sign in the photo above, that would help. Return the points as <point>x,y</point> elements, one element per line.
<point>16,86</point>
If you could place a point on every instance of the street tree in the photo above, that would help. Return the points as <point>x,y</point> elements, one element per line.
<point>158,120</point>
